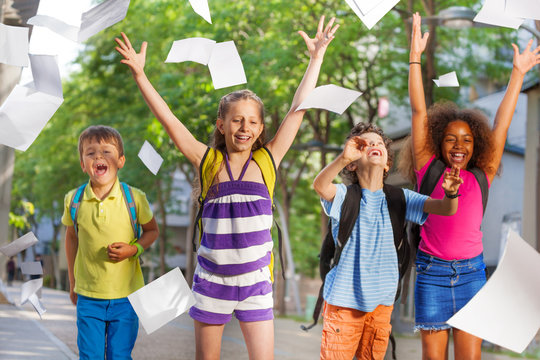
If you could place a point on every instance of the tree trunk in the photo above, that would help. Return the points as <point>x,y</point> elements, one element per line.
<point>163,230</point>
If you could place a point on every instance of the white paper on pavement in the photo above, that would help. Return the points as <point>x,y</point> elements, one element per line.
<point>330,97</point>
<point>162,300</point>
<point>506,311</point>
<point>225,66</point>
<point>375,14</point>
<point>150,157</point>
<point>14,45</point>
<point>32,268</point>
<point>447,80</point>
<point>528,9</point>
<point>101,17</point>
<point>493,13</point>
<point>201,8</point>
<point>22,243</point>
<point>30,287</point>
<point>191,49</point>
<point>36,303</point>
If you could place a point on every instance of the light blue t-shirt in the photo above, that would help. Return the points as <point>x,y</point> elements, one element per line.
<point>367,273</point>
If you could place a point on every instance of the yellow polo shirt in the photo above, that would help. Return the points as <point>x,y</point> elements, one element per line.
<point>101,223</point>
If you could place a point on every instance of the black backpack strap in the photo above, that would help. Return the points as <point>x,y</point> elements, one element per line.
<point>484,186</point>
<point>431,177</point>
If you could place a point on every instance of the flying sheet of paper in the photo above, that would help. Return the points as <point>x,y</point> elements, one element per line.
<point>506,311</point>
<point>32,268</point>
<point>191,49</point>
<point>528,9</point>
<point>366,6</point>
<point>28,108</point>
<point>225,66</point>
<point>13,45</point>
<point>30,287</point>
<point>58,26</point>
<point>36,303</point>
<point>374,15</point>
<point>22,243</point>
<point>150,157</point>
<point>493,13</point>
<point>201,8</point>
<point>162,300</point>
<point>330,97</point>
<point>447,80</point>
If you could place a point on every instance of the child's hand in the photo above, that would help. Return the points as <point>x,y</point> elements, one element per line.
<point>72,295</point>
<point>317,46</point>
<point>452,181</point>
<point>418,41</point>
<point>119,251</point>
<point>134,60</point>
<point>354,149</point>
<point>525,61</point>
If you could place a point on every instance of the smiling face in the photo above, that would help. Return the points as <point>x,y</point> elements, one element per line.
<point>376,152</point>
<point>458,144</point>
<point>101,161</point>
<point>242,125</point>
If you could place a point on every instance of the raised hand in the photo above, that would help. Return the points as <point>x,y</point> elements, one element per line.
<point>452,181</point>
<point>527,59</point>
<point>317,46</point>
<point>355,148</point>
<point>418,41</point>
<point>134,60</point>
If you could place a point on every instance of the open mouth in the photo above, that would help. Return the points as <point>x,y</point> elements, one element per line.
<point>457,157</point>
<point>375,152</point>
<point>242,137</point>
<point>101,169</point>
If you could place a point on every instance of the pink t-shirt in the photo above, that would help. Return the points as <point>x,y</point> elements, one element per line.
<point>458,236</point>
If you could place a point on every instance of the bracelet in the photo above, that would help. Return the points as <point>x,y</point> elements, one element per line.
<point>140,250</point>
<point>451,196</point>
<point>415,62</point>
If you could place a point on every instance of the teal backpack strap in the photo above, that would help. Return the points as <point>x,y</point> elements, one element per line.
<point>74,206</point>
<point>132,209</point>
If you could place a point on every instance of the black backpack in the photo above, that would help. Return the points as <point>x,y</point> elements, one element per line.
<point>350,209</point>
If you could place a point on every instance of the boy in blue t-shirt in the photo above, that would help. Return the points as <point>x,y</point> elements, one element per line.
<point>359,292</point>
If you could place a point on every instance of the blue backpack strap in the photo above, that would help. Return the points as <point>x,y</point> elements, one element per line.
<point>74,206</point>
<point>130,203</point>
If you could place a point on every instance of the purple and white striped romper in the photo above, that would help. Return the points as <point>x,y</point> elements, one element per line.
<point>232,274</point>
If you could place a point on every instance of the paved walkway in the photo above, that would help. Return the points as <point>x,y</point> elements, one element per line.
<point>24,336</point>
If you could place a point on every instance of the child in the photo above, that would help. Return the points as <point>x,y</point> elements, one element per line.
<point>450,264</point>
<point>232,273</point>
<point>359,292</point>
<point>102,256</point>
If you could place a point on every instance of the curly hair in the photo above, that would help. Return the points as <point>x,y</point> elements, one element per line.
<point>359,129</point>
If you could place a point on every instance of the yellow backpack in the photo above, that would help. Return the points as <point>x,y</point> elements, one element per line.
<point>210,165</point>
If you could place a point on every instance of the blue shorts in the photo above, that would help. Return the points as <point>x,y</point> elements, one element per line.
<point>105,327</point>
<point>443,287</point>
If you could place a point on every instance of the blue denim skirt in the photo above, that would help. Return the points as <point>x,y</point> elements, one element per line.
<point>443,287</point>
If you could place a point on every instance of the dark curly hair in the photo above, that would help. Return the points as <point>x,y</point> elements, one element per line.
<point>359,129</point>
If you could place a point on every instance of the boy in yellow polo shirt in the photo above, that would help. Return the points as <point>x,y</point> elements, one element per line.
<point>102,256</point>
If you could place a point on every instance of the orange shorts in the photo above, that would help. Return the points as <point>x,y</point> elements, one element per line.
<point>349,332</point>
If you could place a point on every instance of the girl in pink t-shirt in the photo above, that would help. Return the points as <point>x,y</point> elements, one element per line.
<point>450,266</point>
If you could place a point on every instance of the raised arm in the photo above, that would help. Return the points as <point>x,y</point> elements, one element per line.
<point>448,205</point>
<point>416,94</point>
<point>522,63</point>
<point>183,139</point>
<point>317,46</point>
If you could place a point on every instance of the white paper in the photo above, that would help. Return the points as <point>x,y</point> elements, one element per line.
<point>493,13</point>
<point>201,8</point>
<point>20,244</point>
<point>46,75</point>
<point>528,9</point>
<point>365,6</point>
<point>58,26</point>
<point>330,97</point>
<point>150,157</point>
<point>32,268</point>
<point>225,66</point>
<point>30,287</point>
<point>162,300</point>
<point>447,80</point>
<point>101,17</point>
<point>506,311</point>
<point>191,49</point>
<point>374,15</point>
<point>13,45</point>
<point>36,303</point>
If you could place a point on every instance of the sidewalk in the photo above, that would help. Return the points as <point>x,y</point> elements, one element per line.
<point>24,336</point>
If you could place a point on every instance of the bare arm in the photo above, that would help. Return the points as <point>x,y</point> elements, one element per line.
<point>446,206</point>
<point>317,46</point>
<point>72,245</point>
<point>416,94</point>
<point>119,251</point>
<point>183,139</point>
<point>522,64</point>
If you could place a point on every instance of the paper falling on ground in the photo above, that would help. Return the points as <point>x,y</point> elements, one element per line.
<point>330,97</point>
<point>447,80</point>
<point>22,243</point>
<point>150,157</point>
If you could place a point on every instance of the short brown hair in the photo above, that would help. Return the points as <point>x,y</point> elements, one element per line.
<point>359,129</point>
<point>101,133</point>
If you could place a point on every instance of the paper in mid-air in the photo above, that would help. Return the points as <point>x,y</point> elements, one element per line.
<point>192,49</point>
<point>447,80</point>
<point>22,243</point>
<point>373,16</point>
<point>201,8</point>
<point>32,268</point>
<point>493,13</point>
<point>13,45</point>
<point>29,291</point>
<point>527,9</point>
<point>150,157</point>
<point>330,97</point>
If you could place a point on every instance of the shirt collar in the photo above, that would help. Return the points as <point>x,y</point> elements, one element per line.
<point>115,191</point>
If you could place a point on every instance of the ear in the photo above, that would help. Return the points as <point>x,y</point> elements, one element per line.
<point>82,166</point>
<point>220,125</point>
<point>386,168</point>
<point>351,167</point>
<point>121,161</point>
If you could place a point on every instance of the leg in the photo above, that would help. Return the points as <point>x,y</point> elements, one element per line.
<point>122,329</point>
<point>208,340</point>
<point>259,337</point>
<point>342,330</point>
<point>435,344</point>
<point>466,346</point>
<point>376,333</point>
<point>91,328</point>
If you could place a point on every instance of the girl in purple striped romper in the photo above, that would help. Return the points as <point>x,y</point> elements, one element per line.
<point>232,274</point>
